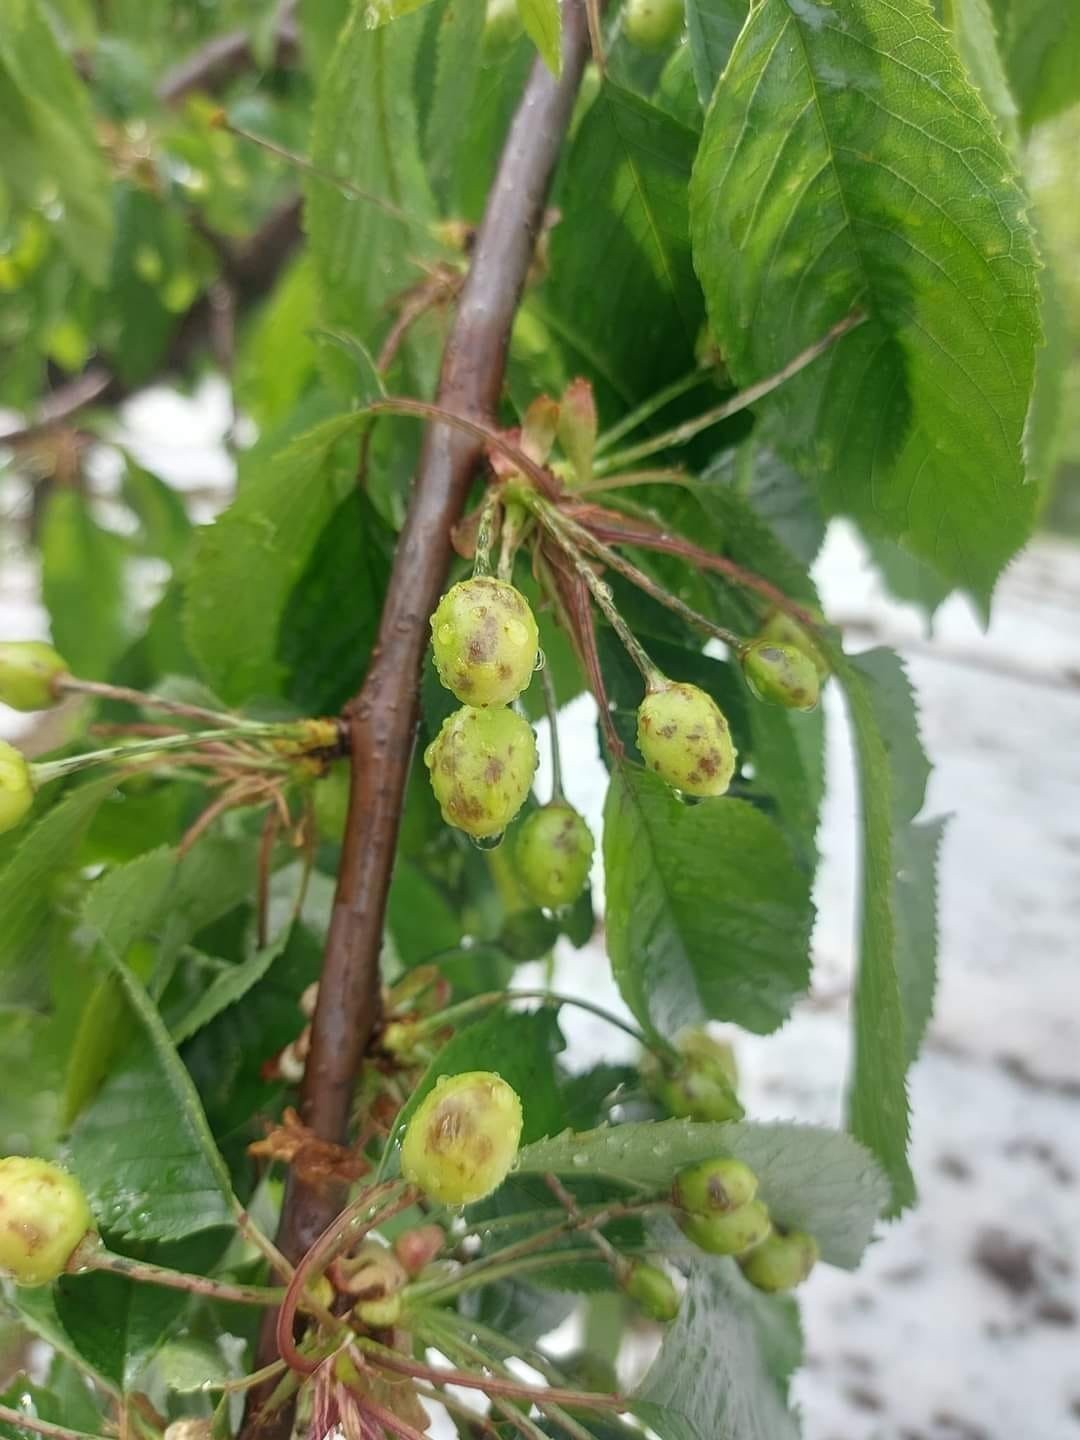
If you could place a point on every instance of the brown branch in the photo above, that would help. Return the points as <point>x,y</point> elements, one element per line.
<point>221,60</point>
<point>382,718</point>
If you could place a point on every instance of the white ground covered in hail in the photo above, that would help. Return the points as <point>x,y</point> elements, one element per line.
<point>964,1320</point>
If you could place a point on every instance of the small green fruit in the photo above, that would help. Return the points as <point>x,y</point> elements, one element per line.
<point>732,1234</point>
<point>781,674</point>
<point>502,27</point>
<point>379,1314</point>
<point>463,1138</point>
<point>16,787</point>
<point>554,855</point>
<point>43,1219</point>
<point>715,1187</point>
<point>683,736</point>
<point>330,797</point>
<point>417,1248</point>
<point>28,669</point>
<point>482,764</point>
<point>485,640</point>
<point>782,1261</point>
<point>652,24</point>
<point>701,1084</point>
<point>652,1290</point>
<point>782,629</point>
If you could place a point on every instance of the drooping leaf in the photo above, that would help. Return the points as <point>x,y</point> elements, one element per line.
<point>712,28</point>
<point>723,1370</point>
<point>811,1178</point>
<point>364,249</point>
<point>246,564</point>
<point>896,971</point>
<point>542,20</point>
<point>26,882</point>
<point>900,201</point>
<point>229,987</point>
<point>90,623</point>
<point>708,915</point>
<point>621,296</point>
<point>975,36</point>
<point>143,1149</point>
<point>47,133</point>
<point>1041,39</point>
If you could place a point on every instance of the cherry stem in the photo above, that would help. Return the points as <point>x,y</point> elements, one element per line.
<point>245,1382</point>
<point>549,517</point>
<point>306,167</point>
<point>669,476</point>
<point>266,1247</point>
<point>422,410</point>
<point>682,434</point>
<point>648,408</point>
<point>50,770</point>
<point>387,1359</point>
<point>570,1205</point>
<point>485,533</point>
<point>516,520</point>
<point>21,1421</point>
<point>72,685</point>
<point>94,1258</point>
<point>551,705</point>
<point>389,1421</point>
<point>644,582</point>
<point>373,1205</point>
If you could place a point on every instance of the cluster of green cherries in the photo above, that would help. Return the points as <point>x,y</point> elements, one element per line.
<point>29,670</point>
<point>483,761</point>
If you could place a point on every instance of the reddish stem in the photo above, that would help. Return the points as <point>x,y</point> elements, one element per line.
<point>386,1359</point>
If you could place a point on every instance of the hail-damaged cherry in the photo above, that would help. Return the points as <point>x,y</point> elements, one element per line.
<point>44,1218</point>
<point>682,735</point>
<point>486,643</point>
<point>482,764</point>
<point>554,854</point>
<point>463,1137</point>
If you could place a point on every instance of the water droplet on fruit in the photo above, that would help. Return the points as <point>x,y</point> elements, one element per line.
<point>541,660</point>
<point>487,842</point>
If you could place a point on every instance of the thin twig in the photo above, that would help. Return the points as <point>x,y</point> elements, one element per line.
<point>682,434</point>
<point>21,1421</point>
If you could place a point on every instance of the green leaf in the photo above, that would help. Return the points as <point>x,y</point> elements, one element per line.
<point>900,199</point>
<point>278,356</point>
<point>28,878</point>
<point>365,250</point>
<point>1042,55</point>
<point>323,643</point>
<point>976,39</point>
<point>246,564</point>
<point>47,134</point>
<point>143,1149</point>
<point>458,45</point>
<point>712,28</point>
<point>119,1325</point>
<point>89,623</point>
<point>811,1178</point>
<point>229,987</point>
<point>708,916</point>
<point>724,1367</point>
<point>621,296</point>
<point>896,976</point>
<point>542,20</point>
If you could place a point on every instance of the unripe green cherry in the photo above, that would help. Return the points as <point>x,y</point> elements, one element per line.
<point>330,797</point>
<point>28,669</point>
<point>732,1234</point>
<point>652,24</point>
<point>485,640</point>
<point>554,855</point>
<point>700,1085</point>
<point>44,1218</point>
<point>651,1289</point>
<point>683,736</point>
<point>714,1187</point>
<point>463,1138</point>
<point>781,674</point>
<point>502,27</point>
<point>16,787</point>
<point>782,1261</point>
<point>780,627</point>
<point>379,1314</point>
<point>482,764</point>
